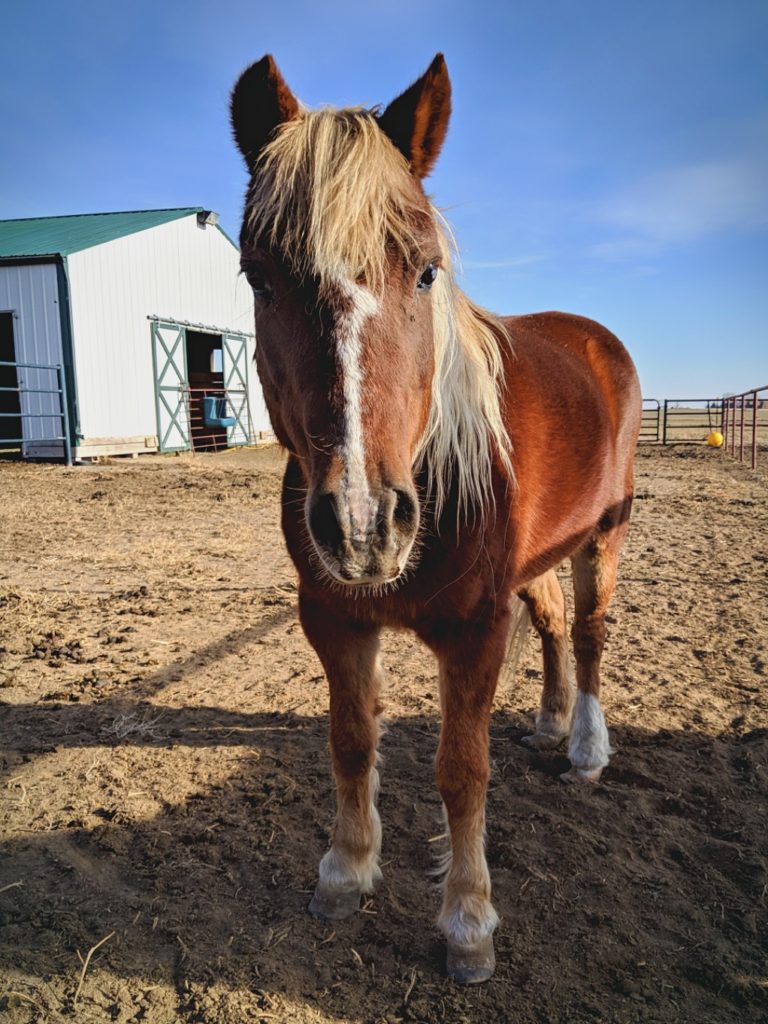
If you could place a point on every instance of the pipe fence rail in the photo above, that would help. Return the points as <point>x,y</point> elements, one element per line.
<point>35,414</point>
<point>746,413</point>
<point>741,419</point>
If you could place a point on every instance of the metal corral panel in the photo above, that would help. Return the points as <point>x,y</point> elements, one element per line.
<point>180,271</point>
<point>31,293</point>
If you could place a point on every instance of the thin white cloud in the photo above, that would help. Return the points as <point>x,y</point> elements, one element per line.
<point>684,204</point>
<point>518,261</point>
<point>625,248</point>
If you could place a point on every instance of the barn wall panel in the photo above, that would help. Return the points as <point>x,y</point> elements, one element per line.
<point>177,270</point>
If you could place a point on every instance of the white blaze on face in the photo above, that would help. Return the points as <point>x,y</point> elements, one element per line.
<point>350,322</point>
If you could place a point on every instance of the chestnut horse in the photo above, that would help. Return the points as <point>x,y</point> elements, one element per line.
<point>442,462</point>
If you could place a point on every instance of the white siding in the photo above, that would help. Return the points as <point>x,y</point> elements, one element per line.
<point>31,293</point>
<point>177,270</point>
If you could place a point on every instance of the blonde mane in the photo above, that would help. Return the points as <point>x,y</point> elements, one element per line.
<point>465,426</point>
<point>333,195</point>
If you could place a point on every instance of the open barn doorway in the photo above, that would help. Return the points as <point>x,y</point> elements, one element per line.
<point>205,373</point>
<point>201,388</point>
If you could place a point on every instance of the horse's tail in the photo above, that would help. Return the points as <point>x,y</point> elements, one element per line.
<point>518,635</point>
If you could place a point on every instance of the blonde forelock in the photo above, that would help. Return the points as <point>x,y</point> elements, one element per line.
<point>333,196</point>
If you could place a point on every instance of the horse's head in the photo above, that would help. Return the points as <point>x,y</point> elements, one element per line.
<point>342,249</point>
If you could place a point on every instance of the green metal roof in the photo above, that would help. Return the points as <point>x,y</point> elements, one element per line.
<point>60,236</point>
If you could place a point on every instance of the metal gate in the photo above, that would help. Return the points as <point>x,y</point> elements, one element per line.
<point>42,414</point>
<point>169,358</point>
<point>679,420</point>
<point>650,422</point>
<point>691,419</point>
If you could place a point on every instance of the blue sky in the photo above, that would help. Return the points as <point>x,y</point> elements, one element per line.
<point>603,158</point>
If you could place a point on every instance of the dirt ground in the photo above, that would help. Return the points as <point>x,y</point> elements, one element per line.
<point>167,793</point>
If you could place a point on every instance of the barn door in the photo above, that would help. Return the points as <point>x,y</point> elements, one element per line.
<point>234,363</point>
<point>169,355</point>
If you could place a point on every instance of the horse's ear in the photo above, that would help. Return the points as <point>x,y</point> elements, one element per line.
<point>418,119</point>
<point>260,102</point>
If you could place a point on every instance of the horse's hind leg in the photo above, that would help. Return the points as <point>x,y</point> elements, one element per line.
<point>594,580</point>
<point>349,653</point>
<point>546,605</point>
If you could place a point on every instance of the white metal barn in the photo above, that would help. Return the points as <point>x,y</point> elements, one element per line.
<point>125,332</point>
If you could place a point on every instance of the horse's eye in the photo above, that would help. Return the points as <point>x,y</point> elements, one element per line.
<point>258,282</point>
<point>427,279</point>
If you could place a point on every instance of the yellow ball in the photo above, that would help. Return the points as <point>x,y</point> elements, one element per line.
<point>715,439</point>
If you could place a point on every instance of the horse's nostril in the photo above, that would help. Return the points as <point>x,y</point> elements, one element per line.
<point>324,521</point>
<point>404,514</point>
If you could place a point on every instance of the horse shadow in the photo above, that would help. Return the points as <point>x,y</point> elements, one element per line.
<point>202,876</point>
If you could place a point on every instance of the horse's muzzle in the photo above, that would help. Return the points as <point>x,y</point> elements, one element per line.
<point>364,540</point>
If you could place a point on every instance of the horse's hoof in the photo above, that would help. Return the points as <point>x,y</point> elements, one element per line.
<point>334,906</point>
<point>471,965</point>
<point>543,741</point>
<point>577,775</point>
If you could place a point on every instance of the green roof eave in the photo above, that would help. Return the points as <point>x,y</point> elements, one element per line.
<point>61,236</point>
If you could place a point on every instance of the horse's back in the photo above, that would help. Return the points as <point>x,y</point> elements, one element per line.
<point>569,349</point>
<point>573,408</point>
<point>575,366</point>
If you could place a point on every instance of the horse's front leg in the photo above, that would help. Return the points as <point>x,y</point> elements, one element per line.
<point>349,653</point>
<point>470,657</point>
